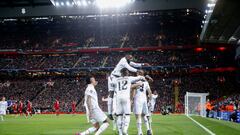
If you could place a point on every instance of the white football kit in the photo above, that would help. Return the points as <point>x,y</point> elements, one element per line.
<point>97,115</point>
<point>140,99</point>
<point>153,102</point>
<point>123,63</point>
<point>3,107</point>
<point>123,90</point>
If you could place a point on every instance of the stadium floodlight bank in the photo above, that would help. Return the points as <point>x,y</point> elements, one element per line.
<point>195,104</point>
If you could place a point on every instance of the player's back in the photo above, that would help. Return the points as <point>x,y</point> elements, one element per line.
<point>141,92</point>
<point>123,87</point>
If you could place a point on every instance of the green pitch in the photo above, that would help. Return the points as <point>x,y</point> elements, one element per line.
<point>69,125</point>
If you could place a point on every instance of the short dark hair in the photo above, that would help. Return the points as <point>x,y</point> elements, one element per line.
<point>124,72</point>
<point>88,79</point>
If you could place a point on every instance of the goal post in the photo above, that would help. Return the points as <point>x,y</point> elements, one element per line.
<point>195,104</point>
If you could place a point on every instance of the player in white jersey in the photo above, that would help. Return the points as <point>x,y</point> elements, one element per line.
<point>140,104</point>
<point>113,110</point>
<point>122,88</point>
<point>125,62</point>
<point>3,108</point>
<point>152,101</point>
<point>93,111</point>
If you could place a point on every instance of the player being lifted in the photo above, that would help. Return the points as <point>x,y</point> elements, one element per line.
<point>122,88</point>
<point>93,111</point>
<point>125,62</point>
<point>141,105</point>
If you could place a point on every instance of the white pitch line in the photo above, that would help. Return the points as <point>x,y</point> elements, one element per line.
<point>206,129</point>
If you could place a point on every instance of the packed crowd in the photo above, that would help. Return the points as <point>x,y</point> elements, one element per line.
<point>165,28</point>
<point>44,92</point>
<point>103,59</point>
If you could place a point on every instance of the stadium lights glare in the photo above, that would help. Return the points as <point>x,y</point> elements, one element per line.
<point>57,4</point>
<point>84,3</point>
<point>99,3</point>
<point>67,3</point>
<point>210,5</point>
<point>112,4</point>
<point>79,3</point>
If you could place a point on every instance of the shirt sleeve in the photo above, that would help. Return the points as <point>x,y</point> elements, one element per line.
<point>135,64</point>
<point>126,65</point>
<point>147,86</point>
<point>135,79</point>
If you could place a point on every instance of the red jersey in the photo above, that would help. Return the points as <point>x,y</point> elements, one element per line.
<point>15,107</point>
<point>56,105</point>
<point>73,106</point>
<point>29,107</point>
<point>20,107</point>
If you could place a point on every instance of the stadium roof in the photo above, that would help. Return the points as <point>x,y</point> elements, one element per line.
<point>224,23</point>
<point>13,8</point>
<point>23,3</point>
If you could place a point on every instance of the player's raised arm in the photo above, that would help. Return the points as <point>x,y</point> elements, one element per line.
<point>134,86</point>
<point>138,64</point>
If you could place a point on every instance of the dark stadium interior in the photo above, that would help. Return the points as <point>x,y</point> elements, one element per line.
<point>43,58</point>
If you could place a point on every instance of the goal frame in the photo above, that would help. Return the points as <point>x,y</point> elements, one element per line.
<point>202,96</point>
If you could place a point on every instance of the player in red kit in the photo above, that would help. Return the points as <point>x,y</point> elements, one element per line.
<point>29,109</point>
<point>73,107</point>
<point>15,108</point>
<point>56,107</point>
<point>20,108</point>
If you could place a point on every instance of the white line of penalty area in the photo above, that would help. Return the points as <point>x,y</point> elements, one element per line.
<point>206,129</point>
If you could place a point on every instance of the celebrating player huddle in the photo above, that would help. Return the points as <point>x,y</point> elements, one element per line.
<point>120,87</point>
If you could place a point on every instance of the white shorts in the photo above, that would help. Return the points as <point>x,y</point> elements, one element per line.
<point>151,107</point>
<point>98,116</point>
<point>123,106</point>
<point>2,112</point>
<point>140,106</point>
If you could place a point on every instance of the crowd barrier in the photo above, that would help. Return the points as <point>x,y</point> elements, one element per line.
<point>225,115</point>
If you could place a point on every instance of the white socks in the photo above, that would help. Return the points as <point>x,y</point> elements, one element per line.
<point>114,122</point>
<point>89,131</point>
<point>126,122</point>
<point>110,102</point>
<point>139,125</point>
<point>119,125</point>
<point>103,127</point>
<point>1,117</point>
<point>146,123</point>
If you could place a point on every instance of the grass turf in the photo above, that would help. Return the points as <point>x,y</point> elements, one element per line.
<point>69,125</point>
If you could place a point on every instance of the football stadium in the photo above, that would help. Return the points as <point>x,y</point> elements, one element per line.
<point>119,67</point>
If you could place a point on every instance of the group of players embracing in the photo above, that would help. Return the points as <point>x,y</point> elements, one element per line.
<point>121,86</point>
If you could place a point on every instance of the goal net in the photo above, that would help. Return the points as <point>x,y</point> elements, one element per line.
<point>195,104</point>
